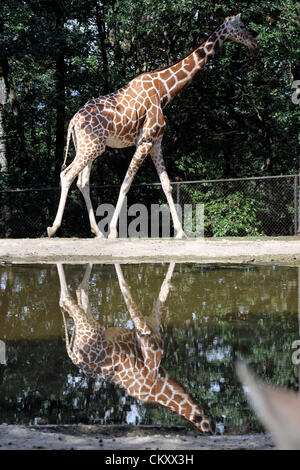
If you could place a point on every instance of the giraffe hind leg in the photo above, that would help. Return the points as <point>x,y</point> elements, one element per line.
<point>67,177</point>
<point>65,184</point>
<point>83,184</point>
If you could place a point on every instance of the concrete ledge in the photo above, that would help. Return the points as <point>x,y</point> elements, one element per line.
<point>217,250</point>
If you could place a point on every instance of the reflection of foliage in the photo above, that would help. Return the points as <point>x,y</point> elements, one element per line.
<point>213,315</point>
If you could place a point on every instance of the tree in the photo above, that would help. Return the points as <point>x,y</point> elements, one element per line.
<point>3,158</point>
<point>236,119</point>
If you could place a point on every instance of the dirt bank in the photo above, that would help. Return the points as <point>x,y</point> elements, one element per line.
<point>224,250</point>
<point>82,437</point>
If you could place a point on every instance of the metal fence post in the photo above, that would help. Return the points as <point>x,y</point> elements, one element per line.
<point>295,204</point>
<point>178,193</point>
<point>298,204</point>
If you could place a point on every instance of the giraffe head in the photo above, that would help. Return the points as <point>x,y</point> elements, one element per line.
<point>204,424</point>
<point>237,32</point>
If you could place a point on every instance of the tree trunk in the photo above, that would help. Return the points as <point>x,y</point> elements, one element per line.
<point>3,157</point>
<point>60,104</point>
<point>8,90</point>
<point>16,111</point>
<point>4,207</point>
<point>99,15</point>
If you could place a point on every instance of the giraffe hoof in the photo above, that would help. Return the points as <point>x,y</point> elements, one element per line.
<point>180,234</point>
<point>98,234</point>
<point>51,231</point>
<point>113,235</point>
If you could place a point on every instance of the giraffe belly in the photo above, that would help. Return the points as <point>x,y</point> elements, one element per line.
<point>118,142</point>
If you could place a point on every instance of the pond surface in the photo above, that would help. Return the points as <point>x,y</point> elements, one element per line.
<point>209,315</point>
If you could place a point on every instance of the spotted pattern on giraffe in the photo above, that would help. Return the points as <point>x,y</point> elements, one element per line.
<point>130,359</point>
<point>133,116</point>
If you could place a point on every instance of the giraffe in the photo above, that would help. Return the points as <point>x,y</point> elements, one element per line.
<point>133,116</point>
<point>277,409</point>
<point>128,358</point>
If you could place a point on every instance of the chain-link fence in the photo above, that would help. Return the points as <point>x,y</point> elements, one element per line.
<point>233,207</point>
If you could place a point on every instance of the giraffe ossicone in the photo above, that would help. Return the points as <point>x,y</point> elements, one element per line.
<point>133,116</point>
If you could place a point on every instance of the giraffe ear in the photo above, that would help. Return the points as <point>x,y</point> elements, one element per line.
<point>238,17</point>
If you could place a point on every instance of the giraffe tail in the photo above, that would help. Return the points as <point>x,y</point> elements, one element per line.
<point>70,131</point>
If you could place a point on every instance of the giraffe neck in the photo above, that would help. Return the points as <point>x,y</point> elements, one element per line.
<point>170,394</point>
<point>177,76</point>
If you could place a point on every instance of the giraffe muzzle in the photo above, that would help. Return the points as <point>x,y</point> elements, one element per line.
<point>253,45</point>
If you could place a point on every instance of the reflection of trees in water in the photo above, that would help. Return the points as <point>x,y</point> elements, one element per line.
<point>212,316</point>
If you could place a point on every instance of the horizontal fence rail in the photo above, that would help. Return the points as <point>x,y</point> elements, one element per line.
<point>252,206</point>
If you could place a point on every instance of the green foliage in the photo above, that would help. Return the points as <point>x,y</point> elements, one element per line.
<point>232,215</point>
<point>236,119</point>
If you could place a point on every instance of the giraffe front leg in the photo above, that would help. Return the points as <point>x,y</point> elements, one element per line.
<point>83,184</point>
<point>154,318</point>
<point>136,316</point>
<point>138,158</point>
<point>150,341</point>
<point>157,158</point>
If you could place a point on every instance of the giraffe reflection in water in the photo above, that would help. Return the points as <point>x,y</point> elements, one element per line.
<point>130,358</point>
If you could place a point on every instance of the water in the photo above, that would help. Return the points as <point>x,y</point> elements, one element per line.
<point>212,315</point>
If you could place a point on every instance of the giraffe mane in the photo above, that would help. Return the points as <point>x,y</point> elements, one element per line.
<point>175,63</point>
